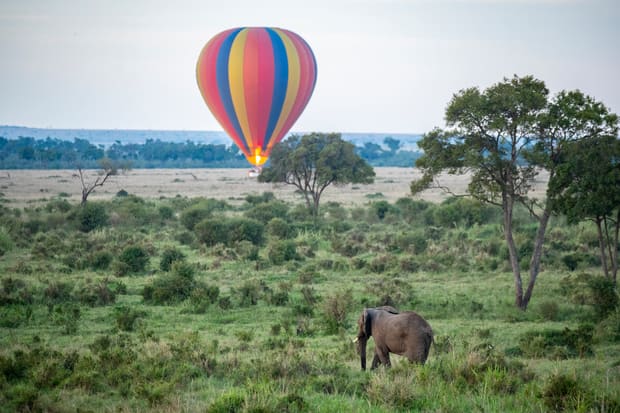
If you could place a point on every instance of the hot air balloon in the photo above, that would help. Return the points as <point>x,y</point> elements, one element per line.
<point>256,81</point>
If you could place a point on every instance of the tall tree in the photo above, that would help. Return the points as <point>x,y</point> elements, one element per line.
<point>586,186</point>
<point>503,136</point>
<point>315,161</point>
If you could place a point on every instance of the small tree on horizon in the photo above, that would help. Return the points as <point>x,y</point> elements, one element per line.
<point>108,168</point>
<point>313,162</point>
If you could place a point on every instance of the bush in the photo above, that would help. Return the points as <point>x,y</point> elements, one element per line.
<point>6,244</point>
<point>279,228</point>
<point>100,260</point>
<point>134,258</point>
<point>240,229</point>
<point>92,215</point>
<point>395,390</point>
<point>200,211</point>
<point>165,212</point>
<point>249,292</point>
<point>280,251</point>
<point>563,393</point>
<point>335,310</point>
<point>57,292</point>
<point>126,317</point>
<point>229,402</point>
<point>171,288</point>
<point>94,293</point>
<point>202,296</point>
<point>15,291</point>
<point>604,296</point>
<point>264,212</point>
<point>558,344</point>
<point>549,310</point>
<point>168,257</point>
<point>212,231</point>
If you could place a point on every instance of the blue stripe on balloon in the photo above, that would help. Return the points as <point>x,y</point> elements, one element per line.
<point>280,83</point>
<point>223,84</point>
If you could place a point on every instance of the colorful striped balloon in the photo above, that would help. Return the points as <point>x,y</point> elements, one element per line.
<point>256,81</point>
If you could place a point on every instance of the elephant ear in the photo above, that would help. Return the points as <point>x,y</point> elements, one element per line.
<point>367,323</point>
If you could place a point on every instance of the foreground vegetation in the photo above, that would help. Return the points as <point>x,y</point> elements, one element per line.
<point>197,305</point>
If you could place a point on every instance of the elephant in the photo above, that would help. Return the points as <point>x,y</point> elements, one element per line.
<point>403,333</point>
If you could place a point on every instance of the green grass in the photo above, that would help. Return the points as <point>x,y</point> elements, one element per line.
<point>286,354</point>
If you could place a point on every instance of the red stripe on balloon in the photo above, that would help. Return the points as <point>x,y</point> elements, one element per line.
<point>258,82</point>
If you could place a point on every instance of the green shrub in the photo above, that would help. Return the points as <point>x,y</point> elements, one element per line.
<point>604,296</point>
<point>563,393</point>
<point>94,293</point>
<point>230,402</point>
<point>263,198</point>
<point>240,229</point>
<point>100,260</point>
<point>135,258</point>
<point>126,317</point>
<point>6,243</point>
<point>212,231</point>
<point>168,257</point>
<point>200,211</point>
<point>165,212</point>
<point>336,307</point>
<point>249,292</point>
<point>281,251</point>
<point>57,292</point>
<point>67,316</point>
<point>395,390</point>
<point>549,310</point>
<point>265,212</point>
<point>171,288</point>
<point>15,291</point>
<point>279,228</point>
<point>558,344</point>
<point>92,215</point>
<point>14,316</point>
<point>202,296</point>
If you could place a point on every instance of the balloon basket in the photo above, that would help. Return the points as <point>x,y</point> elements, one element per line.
<point>254,171</point>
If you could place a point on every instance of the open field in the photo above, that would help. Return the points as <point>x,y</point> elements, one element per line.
<point>158,303</point>
<point>23,187</point>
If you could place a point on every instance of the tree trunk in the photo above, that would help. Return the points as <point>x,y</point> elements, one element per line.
<point>536,255</point>
<point>601,244</point>
<point>507,208</point>
<point>614,249</point>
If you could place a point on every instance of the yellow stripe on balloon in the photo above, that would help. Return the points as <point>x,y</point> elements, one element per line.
<point>292,87</point>
<point>235,80</point>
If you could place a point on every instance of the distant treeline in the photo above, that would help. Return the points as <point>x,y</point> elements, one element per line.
<point>53,153</point>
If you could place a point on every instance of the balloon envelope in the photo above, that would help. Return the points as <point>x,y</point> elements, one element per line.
<point>256,81</point>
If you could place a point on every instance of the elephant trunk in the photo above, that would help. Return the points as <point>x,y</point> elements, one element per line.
<point>362,348</point>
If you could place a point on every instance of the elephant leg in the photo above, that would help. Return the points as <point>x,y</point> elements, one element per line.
<point>375,362</point>
<point>381,357</point>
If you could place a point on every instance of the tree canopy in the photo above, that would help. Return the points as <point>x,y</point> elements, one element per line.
<point>315,161</point>
<point>503,136</point>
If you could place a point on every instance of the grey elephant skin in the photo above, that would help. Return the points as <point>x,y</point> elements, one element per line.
<point>404,333</point>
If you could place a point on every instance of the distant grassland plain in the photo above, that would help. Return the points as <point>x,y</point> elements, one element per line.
<point>26,187</point>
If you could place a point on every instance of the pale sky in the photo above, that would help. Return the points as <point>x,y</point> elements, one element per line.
<point>384,66</point>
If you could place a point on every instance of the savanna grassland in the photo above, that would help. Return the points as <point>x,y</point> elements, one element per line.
<point>155,299</point>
